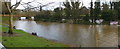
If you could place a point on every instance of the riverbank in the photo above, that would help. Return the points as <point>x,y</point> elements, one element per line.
<point>23,39</point>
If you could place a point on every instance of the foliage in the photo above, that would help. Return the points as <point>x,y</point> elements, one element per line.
<point>108,14</point>
<point>97,10</point>
<point>44,16</point>
<point>117,8</point>
<point>75,13</point>
<point>72,9</point>
<point>58,14</point>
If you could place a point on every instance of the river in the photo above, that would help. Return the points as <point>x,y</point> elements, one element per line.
<point>72,34</point>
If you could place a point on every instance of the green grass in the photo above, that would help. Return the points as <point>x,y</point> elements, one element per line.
<point>7,18</point>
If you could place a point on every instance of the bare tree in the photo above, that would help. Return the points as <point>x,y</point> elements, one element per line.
<point>11,9</point>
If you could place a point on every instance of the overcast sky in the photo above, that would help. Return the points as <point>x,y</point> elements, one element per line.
<point>55,4</point>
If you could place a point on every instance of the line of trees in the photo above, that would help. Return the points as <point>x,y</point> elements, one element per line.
<point>73,12</point>
<point>108,12</point>
<point>70,12</point>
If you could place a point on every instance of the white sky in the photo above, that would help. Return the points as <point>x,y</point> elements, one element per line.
<point>56,4</point>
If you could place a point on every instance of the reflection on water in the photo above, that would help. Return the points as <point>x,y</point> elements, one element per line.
<point>74,34</point>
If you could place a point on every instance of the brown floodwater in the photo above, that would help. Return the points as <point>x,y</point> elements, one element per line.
<point>73,34</point>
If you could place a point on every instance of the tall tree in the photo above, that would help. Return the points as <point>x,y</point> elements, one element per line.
<point>72,9</point>
<point>107,13</point>
<point>97,10</point>
<point>75,9</point>
<point>119,11</point>
<point>10,9</point>
<point>67,9</point>
<point>117,8</point>
<point>91,11</point>
<point>111,5</point>
<point>58,13</point>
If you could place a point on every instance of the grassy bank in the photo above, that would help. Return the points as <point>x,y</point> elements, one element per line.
<point>23,39</point>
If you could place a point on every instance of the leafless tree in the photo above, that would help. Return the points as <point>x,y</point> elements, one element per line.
<point>10,9</point>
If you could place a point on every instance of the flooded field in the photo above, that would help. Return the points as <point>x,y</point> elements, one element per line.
<point>73,34</point>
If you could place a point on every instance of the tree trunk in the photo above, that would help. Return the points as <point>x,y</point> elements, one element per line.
<point>10,24</point>
<point>10,31</point>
